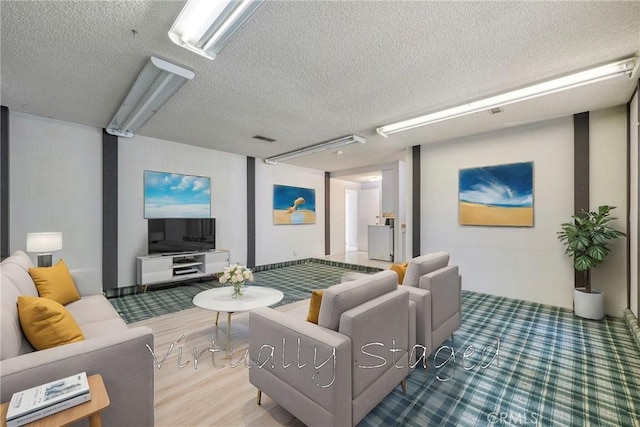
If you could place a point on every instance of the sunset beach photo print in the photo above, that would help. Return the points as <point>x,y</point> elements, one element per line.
<point>500,195</point>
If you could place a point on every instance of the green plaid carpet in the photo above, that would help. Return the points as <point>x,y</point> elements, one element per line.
<point>554,370</point>
<point>295,281</point>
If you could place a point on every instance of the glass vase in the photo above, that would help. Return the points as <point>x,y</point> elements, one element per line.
<point>238,290</point>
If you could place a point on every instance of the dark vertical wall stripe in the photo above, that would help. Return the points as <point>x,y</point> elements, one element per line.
<point>628,204</point>
<point>4,182</point>
<point>637,160</point>
<point>580,172</point>
<point>109,211</point>
<point>327,213</point>
<point>415,202</point>
<point>251,212</point>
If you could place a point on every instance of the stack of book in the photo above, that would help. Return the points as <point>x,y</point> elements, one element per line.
<point>47,399</point>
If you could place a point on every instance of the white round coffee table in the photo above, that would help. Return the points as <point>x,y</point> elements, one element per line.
<point>219,299</point>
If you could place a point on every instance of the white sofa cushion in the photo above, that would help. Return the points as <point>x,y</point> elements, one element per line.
<point>92,308</point>
<point>19,277</point>
<point>15,281</point>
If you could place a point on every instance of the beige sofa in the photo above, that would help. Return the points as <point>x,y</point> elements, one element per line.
<point>335,372</point>
<point>110,348</point>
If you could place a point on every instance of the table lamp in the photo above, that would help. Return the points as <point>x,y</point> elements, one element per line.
<point>44,243</point>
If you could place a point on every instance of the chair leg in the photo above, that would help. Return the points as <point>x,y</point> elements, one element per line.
<point>451,337</point>
<point>259,397</point>
<point>403,384</point>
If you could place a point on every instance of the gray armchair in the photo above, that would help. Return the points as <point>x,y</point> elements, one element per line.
<point>436,288</point>
<point>335,372</point>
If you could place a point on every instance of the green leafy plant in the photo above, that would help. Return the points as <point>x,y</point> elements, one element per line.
<point>586,239</point>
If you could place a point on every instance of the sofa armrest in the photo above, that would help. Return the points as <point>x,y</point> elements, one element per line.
<point>122,358</point>
<point>444,285</point>
<point>422,299</point>
<point>412,331</point>
<point>282,353</point>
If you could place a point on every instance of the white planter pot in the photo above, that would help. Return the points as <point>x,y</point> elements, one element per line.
<point>588,306</point>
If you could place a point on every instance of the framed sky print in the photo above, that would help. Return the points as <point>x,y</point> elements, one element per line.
<point>500,195</point>
<point>293,205</point>
<point>174,195</point>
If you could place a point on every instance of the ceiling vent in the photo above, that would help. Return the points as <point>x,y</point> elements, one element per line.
<point>263,138</point>
<point>496,110</point>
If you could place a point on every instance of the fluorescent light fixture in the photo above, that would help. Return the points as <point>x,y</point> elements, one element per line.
<point>317,148</point>
<point>205,26</point>
<point>157,82</point>
<point>44,243</point>
<point>627,67</point>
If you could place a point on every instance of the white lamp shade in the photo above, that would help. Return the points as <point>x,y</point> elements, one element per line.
<point>44,242</point>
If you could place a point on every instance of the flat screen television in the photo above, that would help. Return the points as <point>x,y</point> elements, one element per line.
<point>179,235</point>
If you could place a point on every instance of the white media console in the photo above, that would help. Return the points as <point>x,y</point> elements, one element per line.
<point>164,268</point>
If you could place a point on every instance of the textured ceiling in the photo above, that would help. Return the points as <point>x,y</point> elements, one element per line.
<point>303,72</point>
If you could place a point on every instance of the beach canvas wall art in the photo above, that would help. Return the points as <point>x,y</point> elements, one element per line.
<point>174,195</point>
<point>500,195</point>
<point>293,205</point>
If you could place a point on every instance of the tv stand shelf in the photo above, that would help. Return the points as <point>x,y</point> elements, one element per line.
<point>185,264</point>
<point>152,269</point>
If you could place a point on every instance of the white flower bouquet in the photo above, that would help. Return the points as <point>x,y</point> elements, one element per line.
<point>237,275</point>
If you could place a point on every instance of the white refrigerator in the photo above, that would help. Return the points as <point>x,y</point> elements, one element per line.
<point>381,242</point>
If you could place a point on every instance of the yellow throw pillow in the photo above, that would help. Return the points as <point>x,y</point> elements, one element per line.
<point>47,323</point>
<point>55,283</point>
<point>400,269</point>
<point>314,306</point>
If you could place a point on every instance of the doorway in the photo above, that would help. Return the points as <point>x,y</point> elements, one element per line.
<point>351,220</point>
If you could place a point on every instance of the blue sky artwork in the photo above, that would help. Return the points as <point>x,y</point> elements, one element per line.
<point>173,195</point>
<point>509,185</point>
<point>284,196</point>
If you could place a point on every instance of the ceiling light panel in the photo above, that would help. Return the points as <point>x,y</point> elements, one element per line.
<point>158,81</point>
<point>624,68</point>
<point>317,148</point>
<point>206,26</point>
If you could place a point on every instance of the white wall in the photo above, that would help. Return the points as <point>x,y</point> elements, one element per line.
<point>408,203</point>
<point>351,219</point>
<point>608,186</point>
<point>401,217</point>
<point>524,263</point>
<point>338,212</point>
<point>389,191</point>
<point>369,212</point>
<point>228,174</point>
<point>56,185</point>
<point>278,243</point>
<point>390,196</point>
<point>634,257</point>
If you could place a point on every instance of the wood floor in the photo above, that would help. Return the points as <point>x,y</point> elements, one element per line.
<point>192,391</point>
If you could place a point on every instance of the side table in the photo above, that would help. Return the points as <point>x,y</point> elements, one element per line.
<point>91,409</point>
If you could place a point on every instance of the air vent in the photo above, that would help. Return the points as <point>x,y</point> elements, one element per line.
<point>263,138</point>
<point>496,110</point>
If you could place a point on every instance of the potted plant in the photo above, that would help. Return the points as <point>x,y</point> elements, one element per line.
<point>586,240</point>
